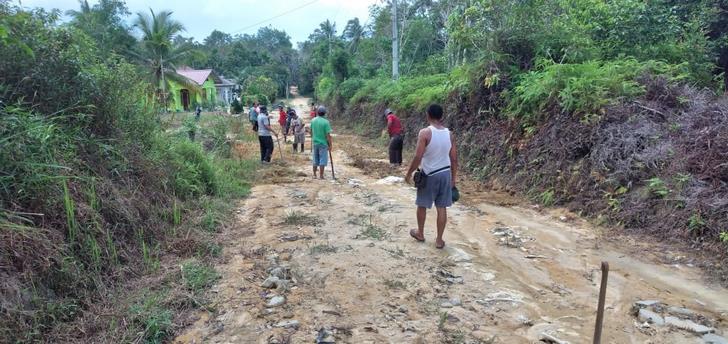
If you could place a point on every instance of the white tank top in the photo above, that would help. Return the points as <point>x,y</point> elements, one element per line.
<point>437,152</point>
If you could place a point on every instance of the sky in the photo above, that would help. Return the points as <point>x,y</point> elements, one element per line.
<point>201,17</point>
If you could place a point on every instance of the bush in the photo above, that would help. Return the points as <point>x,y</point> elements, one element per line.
<point>248,99</point>
<point>261,86</point>
<point>192,171</point>
<point>349,87</point>
<point>582,89</point>
<point>325,88</point>
<point>237,107</point>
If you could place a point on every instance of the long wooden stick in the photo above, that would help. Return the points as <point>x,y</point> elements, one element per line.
<point>331,157</point>
<point>600,306</point>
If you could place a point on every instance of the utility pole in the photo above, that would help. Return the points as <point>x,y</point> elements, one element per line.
<point>395,42</point>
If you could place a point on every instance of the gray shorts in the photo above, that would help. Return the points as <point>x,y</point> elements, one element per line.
<point>438,190</point>
<point>299,138</point>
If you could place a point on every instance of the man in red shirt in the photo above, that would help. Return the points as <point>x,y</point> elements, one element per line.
<point>313,110</point>
<point>396,142</point>
<point>282,121</point>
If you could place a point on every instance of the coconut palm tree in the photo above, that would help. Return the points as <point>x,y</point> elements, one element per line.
<point>159,55</point>
<point>353,34</point>
<point>85,11</point>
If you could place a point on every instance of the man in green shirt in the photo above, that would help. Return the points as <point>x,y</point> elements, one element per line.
<point>321,137</point>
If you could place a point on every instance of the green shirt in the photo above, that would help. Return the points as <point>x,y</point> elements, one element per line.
<point>320,128</point>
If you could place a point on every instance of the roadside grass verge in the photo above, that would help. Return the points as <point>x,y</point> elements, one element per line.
<point>198,276</point>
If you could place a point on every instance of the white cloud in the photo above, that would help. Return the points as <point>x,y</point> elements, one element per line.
<point>202,17</point>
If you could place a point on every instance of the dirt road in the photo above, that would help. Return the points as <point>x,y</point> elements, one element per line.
<point>338,257</point>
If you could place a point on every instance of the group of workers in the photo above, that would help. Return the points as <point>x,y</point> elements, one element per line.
<point>291,122</point>
<point>433,169</point>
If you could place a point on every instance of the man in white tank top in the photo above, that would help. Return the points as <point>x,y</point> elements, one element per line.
<point>436,156</point>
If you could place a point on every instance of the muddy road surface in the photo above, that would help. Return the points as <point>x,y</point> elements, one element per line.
<point>331,261</point>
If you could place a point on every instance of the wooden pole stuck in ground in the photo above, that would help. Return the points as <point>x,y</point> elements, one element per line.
<point>600,305</point>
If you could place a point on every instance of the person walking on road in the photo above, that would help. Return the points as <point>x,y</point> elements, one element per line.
<point>253,116</point>
<point>282,122</point>
<point>290,112</point>
<point>313,111</point>
<point>264,135</point>
<point>396,140</point>
<point>299,131</point>
<point>321,137</point>
<point>436,158</point>
<point>198,112</point>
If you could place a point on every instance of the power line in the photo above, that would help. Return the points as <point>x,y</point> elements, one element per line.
<point>276,16</point>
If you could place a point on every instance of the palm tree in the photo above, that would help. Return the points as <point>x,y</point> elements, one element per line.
<point>353,34</point>
<point>85,11</point>
<point>158,53</point>
<point>327,31</point>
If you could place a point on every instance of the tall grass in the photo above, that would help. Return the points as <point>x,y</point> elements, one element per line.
<point>70,214</point>
<point>88,180</point>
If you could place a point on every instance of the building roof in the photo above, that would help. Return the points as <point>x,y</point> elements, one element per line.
<point>197,75</point>
<point>224,82</point>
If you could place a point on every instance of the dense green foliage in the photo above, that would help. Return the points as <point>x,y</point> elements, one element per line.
<point>518,37</point>
<point>582,89</point>
<point>94,188</point>
<point>609,107</point>
<point>162,50</point>
<point>267,54</point>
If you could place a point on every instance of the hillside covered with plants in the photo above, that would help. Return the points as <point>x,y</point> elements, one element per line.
<point>612,109</point>
<point>107,209</point>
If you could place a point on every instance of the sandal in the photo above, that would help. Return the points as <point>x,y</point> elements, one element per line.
<point>413,233</point>
<point>440,247</point>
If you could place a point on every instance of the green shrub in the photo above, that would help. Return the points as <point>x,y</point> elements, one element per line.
<point>657,187</point>
<point>412,92</point>
<point>233,177</point>
<point>261,86</point>
<point>248,99</point>
<point>366,91</point>
<point>582,89</point>
<point>216,133</point>
<point>192,170</point>
<point>696,222</point>
<point>349,87</point>
<point>325,88</point>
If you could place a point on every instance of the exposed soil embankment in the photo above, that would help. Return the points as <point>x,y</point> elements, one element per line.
<point>657,165</point>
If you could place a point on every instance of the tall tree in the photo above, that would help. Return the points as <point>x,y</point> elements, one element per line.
<point>158,54</point>
<point>352,34</point>
<point>104,23</point>
<point>326,33</point>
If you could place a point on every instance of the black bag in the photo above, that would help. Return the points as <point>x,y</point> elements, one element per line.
<point>420,177</point>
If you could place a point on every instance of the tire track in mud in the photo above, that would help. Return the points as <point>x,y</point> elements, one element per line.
<point>349,272</point>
